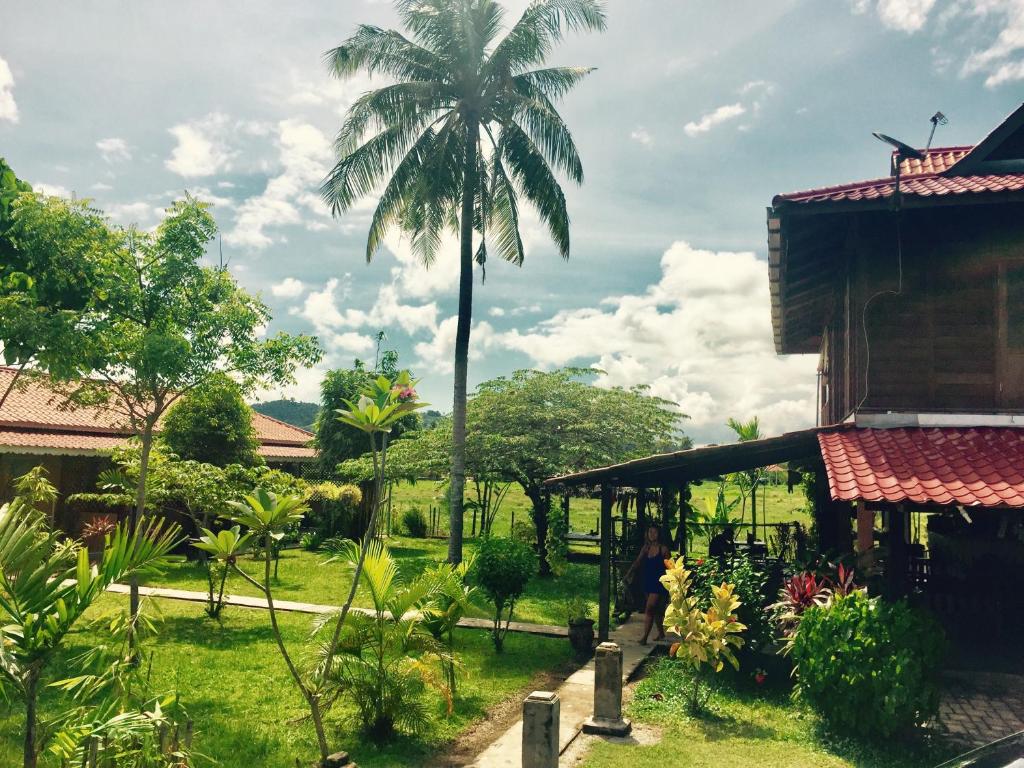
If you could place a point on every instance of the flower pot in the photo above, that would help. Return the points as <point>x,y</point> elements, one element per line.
<point>581,636</point>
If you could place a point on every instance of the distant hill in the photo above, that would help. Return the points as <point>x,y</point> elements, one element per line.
<point>292,412</point>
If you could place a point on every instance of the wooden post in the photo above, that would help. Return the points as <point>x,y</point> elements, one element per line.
<point>641,508</point>
<point>565,509</point>
<point>897,565</point>
<point>604,599</point>
<point>684,505</point>
<point>865,528</point>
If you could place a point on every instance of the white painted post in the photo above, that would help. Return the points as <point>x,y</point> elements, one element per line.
<point>540,730</point>
<point>607,718</point>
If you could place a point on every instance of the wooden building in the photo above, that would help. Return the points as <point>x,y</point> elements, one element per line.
<point>75,445</point>
<point>910,290</point>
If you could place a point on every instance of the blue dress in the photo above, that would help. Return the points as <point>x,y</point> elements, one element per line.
<point>654,569</point>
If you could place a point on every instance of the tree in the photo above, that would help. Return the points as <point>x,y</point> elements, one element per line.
<point>159,323</point>
<point>749,480</point>
<point>212,424</point>
<point>535,425</point>
<point>45,587</point>
<point>468,128</point>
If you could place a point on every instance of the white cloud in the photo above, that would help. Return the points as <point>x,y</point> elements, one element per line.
<point>435,357</point>
<point>642,136</point>
<point>902,15</point>
<point>289,288</point>
<point>202,148</point>
<point>700,336</point>
<point>496,312</point>
<point>304,155</point>
<point>140,213</point>
<point>114,150</point>
<point>53,190</point>
<point>8,107</point>
<point>99,186</point>
<point>710,119</point>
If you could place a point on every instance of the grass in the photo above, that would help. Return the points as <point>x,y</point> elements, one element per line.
<point>246,710</point>
<point>743,726</point>
<point>304,576</point>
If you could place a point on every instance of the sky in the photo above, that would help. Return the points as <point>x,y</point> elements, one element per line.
<point>697,114</point>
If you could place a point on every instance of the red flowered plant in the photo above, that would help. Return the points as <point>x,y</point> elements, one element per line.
<point>760,676</point>
<point>799,592</point>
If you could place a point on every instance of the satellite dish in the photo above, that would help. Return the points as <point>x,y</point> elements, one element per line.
<point>903,150</point>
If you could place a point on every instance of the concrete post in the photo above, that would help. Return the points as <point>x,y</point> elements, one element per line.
<point>607,718</point>
<point>540,730</point>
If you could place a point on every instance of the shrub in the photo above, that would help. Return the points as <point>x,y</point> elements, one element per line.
<point>502,569</point>
<point>867,666</point>
<point>415,522</point>
<point>311,541</point>
<point>749,582</point>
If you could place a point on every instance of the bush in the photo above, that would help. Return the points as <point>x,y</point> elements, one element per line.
<point>750,583</point>
<point>502,568</point>
<point>311,541</point>
<point>415,522</point>
<point>867,666</point>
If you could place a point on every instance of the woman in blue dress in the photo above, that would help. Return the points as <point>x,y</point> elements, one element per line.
<point>651,561</point>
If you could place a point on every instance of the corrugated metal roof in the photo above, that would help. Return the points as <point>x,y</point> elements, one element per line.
<point>978,466</point>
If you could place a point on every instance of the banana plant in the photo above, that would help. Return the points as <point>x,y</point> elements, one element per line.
<point>47,584</point>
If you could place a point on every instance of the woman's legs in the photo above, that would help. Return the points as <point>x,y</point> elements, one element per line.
<point>659,616</point>
<point>650,610</point>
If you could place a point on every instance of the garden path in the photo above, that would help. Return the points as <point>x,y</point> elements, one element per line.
<point>290,606</point>
<point>979,707</point>
<point>576,696</point>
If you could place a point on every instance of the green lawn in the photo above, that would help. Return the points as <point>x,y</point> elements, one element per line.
<point>305,576</point>
<point>744,727</point>
<point>236,687</point>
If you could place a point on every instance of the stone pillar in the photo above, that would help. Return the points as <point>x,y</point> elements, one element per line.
<point>607,718</point>
<point>540,730</point>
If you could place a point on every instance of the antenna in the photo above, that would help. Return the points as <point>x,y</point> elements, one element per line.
<point>936,120</point>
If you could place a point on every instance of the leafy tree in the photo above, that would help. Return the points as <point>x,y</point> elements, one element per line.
<point>160,324</point>
<point>294,412</point>
<point>534,425</point>
<point>468,128</point>
<point>212,424</point>
<point>503,568</point>
<point>46,585</point>
<point>749,480</point>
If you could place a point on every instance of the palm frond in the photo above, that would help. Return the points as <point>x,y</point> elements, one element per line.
<point>536,182</point>
<point>398,103</point>
<point>504,218</point>
<point>385,52</point>
<point>543,23</point>
<point>552,82</point>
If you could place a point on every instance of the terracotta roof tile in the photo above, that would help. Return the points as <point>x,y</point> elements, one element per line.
<point>35,415</point>
<point>975,466</point>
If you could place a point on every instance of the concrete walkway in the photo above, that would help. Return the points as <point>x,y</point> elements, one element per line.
<point>290,606</point>
<point>576,696</point>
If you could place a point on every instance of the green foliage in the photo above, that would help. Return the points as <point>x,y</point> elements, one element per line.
<point>383,660</point>
<point>335,440</point>
<point>35,488</point>
<point>750,582</point>
<point>212,424</point>
<point>294,412</point>
<point>502,569</point>
<point>557,544</point>
<point>47,584</point>
<point>868,667</point>
<point>577,608</point>
<point>415,522</point>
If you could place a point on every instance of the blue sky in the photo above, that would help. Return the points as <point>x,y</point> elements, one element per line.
<point>697,114</point>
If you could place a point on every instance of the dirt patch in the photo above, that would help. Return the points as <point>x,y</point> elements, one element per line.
<point>499,718</point>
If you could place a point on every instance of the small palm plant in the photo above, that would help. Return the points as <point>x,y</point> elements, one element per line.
<point>46,585</point>
<point>442,614</point>
<point>384,657</point>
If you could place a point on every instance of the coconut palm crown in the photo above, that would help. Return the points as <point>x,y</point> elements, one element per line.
<point>467,128</point>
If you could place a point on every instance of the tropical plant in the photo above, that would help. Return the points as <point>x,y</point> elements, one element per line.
<point>749,581</point>
<point>748,481</point>
<point>384,659</point>
<point>229,540</point>
<point>708,638</point>
<point>868,667</point>
<point>577,609</point>
<point>799,592</point>
<point>34,487</point>
<point>441,615</point>
<point>718,514</point>
<point>469,126</point>
<point>46,584</point>
<point>502,569</point>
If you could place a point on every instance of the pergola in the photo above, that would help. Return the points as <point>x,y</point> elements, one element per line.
<point>671,471</point>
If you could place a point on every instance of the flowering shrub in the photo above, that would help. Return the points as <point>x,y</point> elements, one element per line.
<point>709,638</point>
<point>868,666</point>
<point>806,590</point>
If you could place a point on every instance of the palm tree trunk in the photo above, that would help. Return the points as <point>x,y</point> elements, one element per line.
<point>458,482</point>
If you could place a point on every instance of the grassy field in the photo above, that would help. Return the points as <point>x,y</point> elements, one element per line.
<point>305,576</point>
<point>744,726</point>
<point>247,712</point>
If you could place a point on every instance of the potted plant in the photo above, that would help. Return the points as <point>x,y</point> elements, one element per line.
<point>581,626</point>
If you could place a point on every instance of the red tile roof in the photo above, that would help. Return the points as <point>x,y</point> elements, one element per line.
<point>927,185</point>
<point>35,419</point>
<point>970,466</point>
<point>936,160</point>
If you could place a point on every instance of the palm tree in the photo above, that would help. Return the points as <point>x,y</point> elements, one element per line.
<point>745,432</point>
<point>468,127</point>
